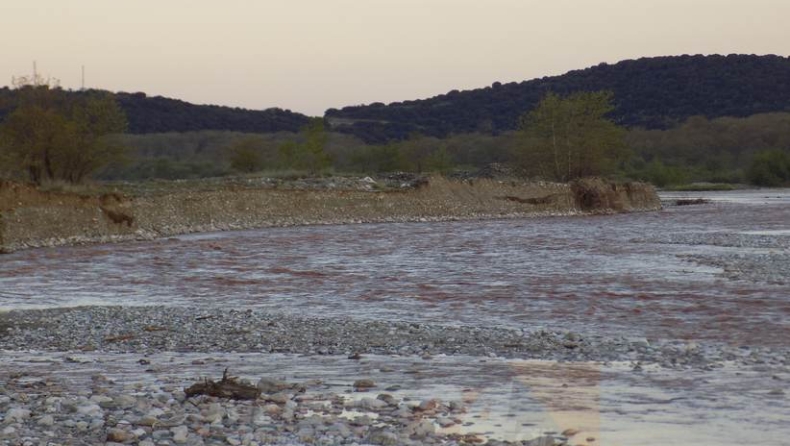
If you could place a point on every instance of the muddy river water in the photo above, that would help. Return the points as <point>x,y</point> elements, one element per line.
<point>716,272</point>
<point>654,274</point>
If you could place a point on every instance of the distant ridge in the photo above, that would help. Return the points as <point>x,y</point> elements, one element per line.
<point>159,115</point>
<point>654,92</point>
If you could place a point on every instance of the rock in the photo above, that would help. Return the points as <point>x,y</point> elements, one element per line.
<point>125,401</point>
<point>262,420</point>
<point>179,434</point>
<point>119,435</point>
<point>383,437</point>
<point>421,429</point>
<point>456,406</point>
<point>269,385</point>
<point>363,384</point>
<point>278,398</point>
<point>428,405</point>
<point>102,400</point>
<point>17,415</point>
<point>445,422</point>
<point>272,409</point>
<point>306,435</point>
<point>139,432</point>
<point>569,432</point>
<point>91,410</point>
<point>547,440</point>
<point>46,420</point>
<point>387,398</point>
<point>370,404</point>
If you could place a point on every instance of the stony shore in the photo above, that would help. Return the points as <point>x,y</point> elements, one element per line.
<point>86,406</point>
<point>32,218</point>
<point>149,330</point>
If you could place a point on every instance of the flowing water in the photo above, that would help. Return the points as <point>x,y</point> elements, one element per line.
<point>712,272</point>
<point>634,274</point>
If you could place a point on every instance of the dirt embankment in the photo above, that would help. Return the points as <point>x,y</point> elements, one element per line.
<point>33,218</point>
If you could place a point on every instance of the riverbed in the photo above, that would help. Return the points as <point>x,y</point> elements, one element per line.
<point>711,277</point>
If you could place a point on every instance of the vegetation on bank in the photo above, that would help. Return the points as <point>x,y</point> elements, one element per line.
<point>52,136</point>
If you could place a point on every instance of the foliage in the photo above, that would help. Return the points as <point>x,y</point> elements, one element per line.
<point>161,115</point>
<point>706,150</point>
<point>54,136</point>
<point>653,93</point>
<point>246,155</point>
<point>662,175</point>
<point>570,137</point>
<point>770,168</point>
<point>309,155</point>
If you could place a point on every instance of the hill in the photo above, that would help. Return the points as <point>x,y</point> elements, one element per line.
<point>653,93</point>
<point>160,115</point>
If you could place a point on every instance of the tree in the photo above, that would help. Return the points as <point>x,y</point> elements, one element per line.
<point>246,155</point>
<point>770,168</point>
<point>440,160</point>
<point>570,137</point>
<point>309,155</point>
<point>54,136</point>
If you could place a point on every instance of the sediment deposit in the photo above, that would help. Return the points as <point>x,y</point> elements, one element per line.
<point>34,218</point>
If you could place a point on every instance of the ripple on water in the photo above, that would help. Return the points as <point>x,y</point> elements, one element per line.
<point>683,273</point>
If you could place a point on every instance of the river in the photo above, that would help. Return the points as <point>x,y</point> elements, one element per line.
<point>716,272</point>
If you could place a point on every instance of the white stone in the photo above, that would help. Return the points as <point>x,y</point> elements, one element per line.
<point>445,422</point>
<point>262,420</point>
<point>125,401</point>
<point>422,429</point>
<point>91,409</point>
<point>368,403</point>
<point>46,420</point>
<point>17,415</point>
<point>179,434</point>
<point>139,432</point>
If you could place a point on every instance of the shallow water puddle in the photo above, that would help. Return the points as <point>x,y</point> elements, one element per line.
<point>504,399</point>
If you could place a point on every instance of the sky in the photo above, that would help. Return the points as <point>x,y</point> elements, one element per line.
<point>310,55</point>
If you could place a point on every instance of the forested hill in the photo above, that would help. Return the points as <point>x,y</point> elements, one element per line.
<point>158,114</point>
<point>653,93</point>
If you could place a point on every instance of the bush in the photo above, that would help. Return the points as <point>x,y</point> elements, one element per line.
<point>770,168</point>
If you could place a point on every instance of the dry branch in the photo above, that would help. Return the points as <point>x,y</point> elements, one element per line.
<point>228,387</point>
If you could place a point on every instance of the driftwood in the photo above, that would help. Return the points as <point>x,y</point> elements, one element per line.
<point>228,387</point>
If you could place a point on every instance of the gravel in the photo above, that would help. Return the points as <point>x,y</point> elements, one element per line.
<point>154,329</point>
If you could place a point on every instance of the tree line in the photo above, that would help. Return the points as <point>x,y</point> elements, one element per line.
<point>55,136</point>
<point>651,93</point>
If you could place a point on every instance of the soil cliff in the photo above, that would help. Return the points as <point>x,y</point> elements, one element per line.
<point>30,217</point>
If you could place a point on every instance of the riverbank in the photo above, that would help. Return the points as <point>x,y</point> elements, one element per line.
<point>33,218</point>
<point>91,375</point>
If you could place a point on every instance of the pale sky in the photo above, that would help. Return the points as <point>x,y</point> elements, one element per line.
<point>310,55</point>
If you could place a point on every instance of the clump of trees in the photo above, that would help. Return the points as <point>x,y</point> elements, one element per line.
<point>770,168</point>
<point>571,137</point>
<point>310,154</point>
<point>54,136</point>
<point>707,150</point>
